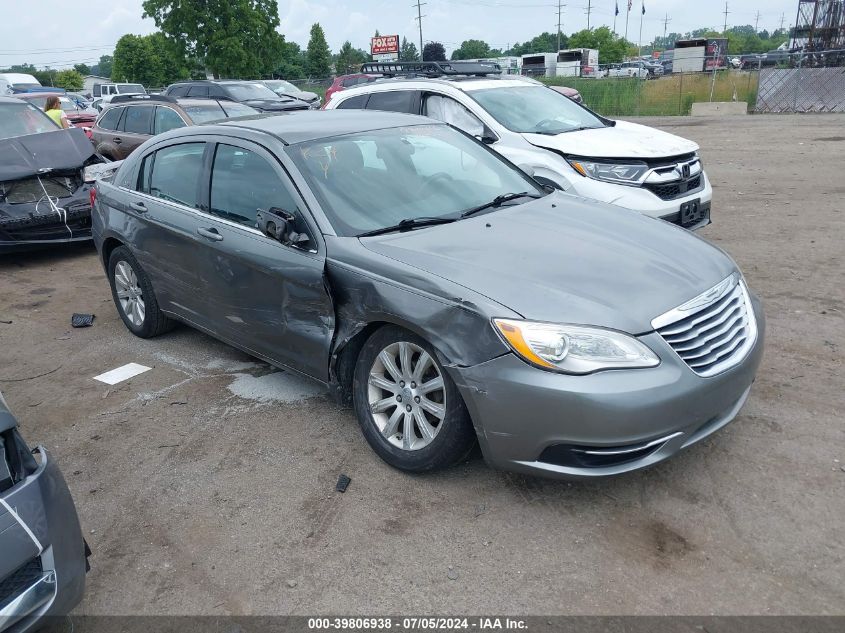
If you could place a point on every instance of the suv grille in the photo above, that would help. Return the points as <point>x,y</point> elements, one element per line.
<point>677,189</point>
<point>20,580</point>
<point>714,331</point>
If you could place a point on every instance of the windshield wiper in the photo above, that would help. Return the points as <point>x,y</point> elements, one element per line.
<point>499,201</point>
<point>408,224</point>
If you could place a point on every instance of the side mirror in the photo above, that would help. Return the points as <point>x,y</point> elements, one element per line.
<point>280,225</point>
<point>487,137</point>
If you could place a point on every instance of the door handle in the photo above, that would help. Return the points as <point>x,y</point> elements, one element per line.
<point>140,207</point>
<point>211,234</point>
<point>117,140</point>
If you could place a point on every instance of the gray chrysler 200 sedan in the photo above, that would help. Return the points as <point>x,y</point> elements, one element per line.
<point>447,294</point>
<point>42,552</point>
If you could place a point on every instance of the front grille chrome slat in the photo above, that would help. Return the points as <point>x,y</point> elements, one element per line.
<point>717,334</point>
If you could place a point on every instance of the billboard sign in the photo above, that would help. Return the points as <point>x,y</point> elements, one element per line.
<point>385,45</point>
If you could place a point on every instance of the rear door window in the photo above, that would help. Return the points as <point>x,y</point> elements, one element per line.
<point>173,173</point>
<point>198,91</point>
<point>138,120</point>
<point>178,91</point>
<point>392,101</point>
<point>110,118</point>
<point>354,103</point>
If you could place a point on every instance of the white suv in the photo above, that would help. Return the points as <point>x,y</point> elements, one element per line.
<point>557,141</point>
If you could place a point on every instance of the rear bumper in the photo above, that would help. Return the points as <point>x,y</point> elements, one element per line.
<point>44,505</point>
<point>608,423</point>
<point>32,226</point>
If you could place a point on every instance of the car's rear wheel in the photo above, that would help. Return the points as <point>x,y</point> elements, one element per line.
<point>409,409</point>
<point>134,297</point>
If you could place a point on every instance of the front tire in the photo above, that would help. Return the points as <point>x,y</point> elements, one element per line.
<point>133,296</point>
<point>409,409</point>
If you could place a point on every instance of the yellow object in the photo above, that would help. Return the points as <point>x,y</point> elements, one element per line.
<point>517,341</point>
<point>56,115</point>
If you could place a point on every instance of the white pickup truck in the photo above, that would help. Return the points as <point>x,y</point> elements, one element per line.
<point>103,93</point>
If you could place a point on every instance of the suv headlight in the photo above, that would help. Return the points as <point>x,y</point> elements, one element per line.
<point>574,349</point>
<point>627,173</point>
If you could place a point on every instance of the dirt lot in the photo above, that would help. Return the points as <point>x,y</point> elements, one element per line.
<point>206,486</point>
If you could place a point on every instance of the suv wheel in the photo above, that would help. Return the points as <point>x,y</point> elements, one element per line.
<point>409,409</point>
<point>134,297</point>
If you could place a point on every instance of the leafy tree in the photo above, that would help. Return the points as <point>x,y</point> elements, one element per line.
<point>408,51</point>
<point>135,60</point>
<point>69,80</point>
<point>45,77</point>
<point>104,67</point>
<point>348,59</point>
<point>612,49</point>
<point>292,64</point>
<point>82,69</point>
<point>319,56</point>
<point>234,38</point>
<point>434,52</point>
<point>544,43</point>
<point>472,49</point>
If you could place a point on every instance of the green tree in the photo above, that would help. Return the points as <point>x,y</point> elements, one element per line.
<point>348,59</point>
<point>104,66</point>
<point>434,52</point>
<point>233,38</point>
<point>135,60</point>
<point>82,69</point>
<point>292,64</point>
<point>69,80</point>
<point>408,51</point>
<point>472,49</point>
<point>319,56</point>
<point>544,43</point>
<point>611,48</point>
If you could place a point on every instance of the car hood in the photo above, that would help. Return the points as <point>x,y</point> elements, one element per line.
<point>272,105</point>
<point>25,156</point>
<point>303,95</point>
<point>566,260</point>
<point>624,140</point>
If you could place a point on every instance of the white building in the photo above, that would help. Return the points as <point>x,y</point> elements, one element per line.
<point>89,80</point>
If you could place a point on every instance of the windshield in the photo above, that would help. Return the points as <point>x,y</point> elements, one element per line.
<point>64,103</point>
<point>280,85</point>
<point>245,92</point>
<point>372,180</point>
<point>232,109</point>
<point>130,89</point>
<point>22,119</point>
<point>535,110</point>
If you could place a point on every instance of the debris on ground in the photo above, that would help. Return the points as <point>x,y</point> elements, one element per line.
<point>81,320</point>
<point>342,483</point>
<point>452,573</point>
<point>292,583</point>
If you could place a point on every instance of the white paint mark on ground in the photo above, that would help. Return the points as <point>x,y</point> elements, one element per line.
<point>122,373</point>
<point>276,387</point>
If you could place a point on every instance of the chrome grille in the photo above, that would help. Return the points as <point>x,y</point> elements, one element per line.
<point>714,331</point>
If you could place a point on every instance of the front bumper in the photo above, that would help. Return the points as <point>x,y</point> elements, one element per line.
<point>641,199</point>
<point>56,582</point>
<point>29,226</point>
<point>608,423</point>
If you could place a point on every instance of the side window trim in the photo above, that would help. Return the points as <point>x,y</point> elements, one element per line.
<point>119,126</point>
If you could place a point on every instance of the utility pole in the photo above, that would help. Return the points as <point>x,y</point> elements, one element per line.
<point>559,14</point>
<point>640,41</point>
<point>725,30</point>
<point>666,21</point>
<point>627,15</point>
<point>756,21</point>
<point>419,5</point>
<point>782,20</point>
<point>589,10</point>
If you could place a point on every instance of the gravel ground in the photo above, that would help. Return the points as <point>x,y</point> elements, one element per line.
<point>206,486</point>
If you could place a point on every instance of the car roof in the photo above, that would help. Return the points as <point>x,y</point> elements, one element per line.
<point>38,95</point>
<point>306,126</point>
<point>464,84</point>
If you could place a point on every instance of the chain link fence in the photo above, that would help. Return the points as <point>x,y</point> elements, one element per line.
<point>815,82</point>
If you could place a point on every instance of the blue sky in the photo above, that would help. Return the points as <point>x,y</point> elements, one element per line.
<point>53,32</point>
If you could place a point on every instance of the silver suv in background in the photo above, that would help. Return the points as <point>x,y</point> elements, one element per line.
<point>43,557</point>
<point>559,142</point>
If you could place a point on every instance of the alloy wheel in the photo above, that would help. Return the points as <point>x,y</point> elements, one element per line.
<point>129,293</point>
<point>407,396</point>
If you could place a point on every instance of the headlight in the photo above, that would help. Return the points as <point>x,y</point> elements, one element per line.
<point>574,349</point>
<point>620,173</point>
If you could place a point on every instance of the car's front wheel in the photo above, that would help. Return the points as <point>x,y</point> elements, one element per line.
<point>409,409</point>
<point>134,297</point>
